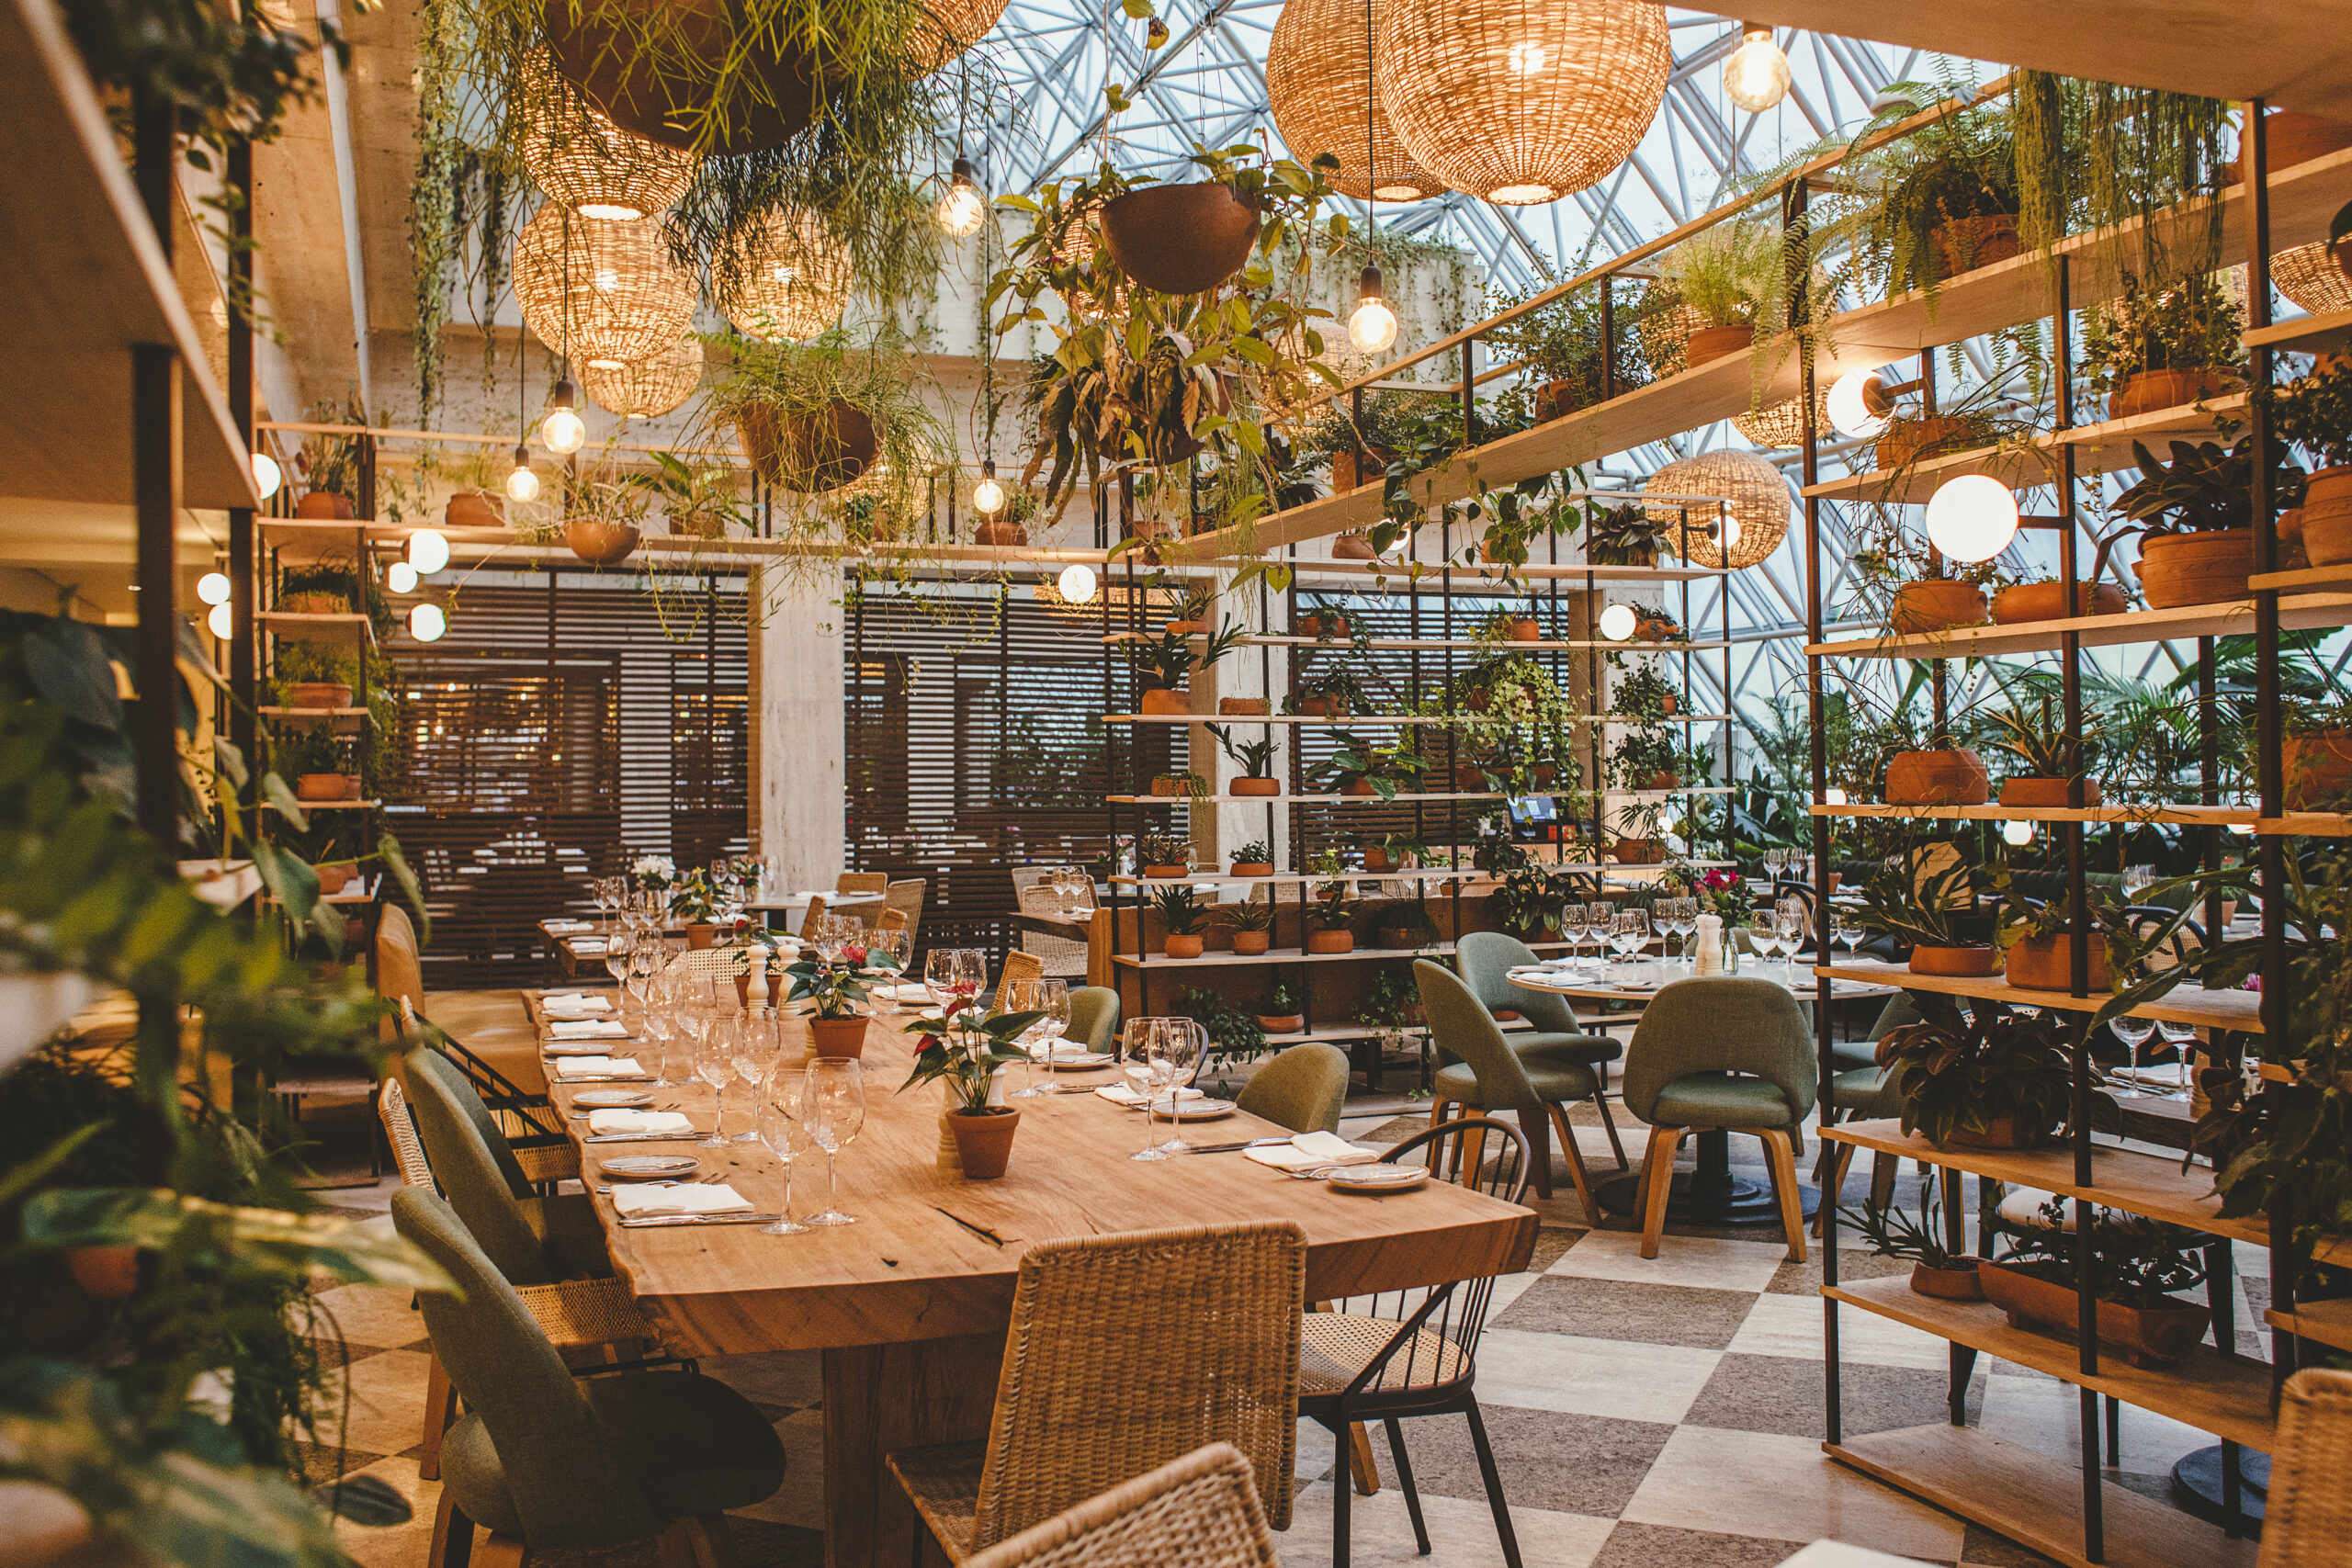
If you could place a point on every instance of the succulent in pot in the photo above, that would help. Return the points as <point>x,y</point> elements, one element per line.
<point>1182,915</point>
<point>1164,854</point>
<point>1938,1268</point>
<point>962,1053</point>
<point>1249,924</point>
<point>1991,1078</point>
<point>1256,760</point>
<point>2048,755</point>
<point>1254,858</point>
<point>2196,518</point>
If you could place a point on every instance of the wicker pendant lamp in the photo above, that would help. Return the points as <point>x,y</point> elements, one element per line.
<point>2306,275</point>
<point>1521,102</point>
<point>584,161</point>
<point>1759,499</point>
<point>964,23</point>
<point>785,279</point>
<point>648,388</point>
<point>1315,68</point>
<point>610,290</point>
<point>1783,424</point>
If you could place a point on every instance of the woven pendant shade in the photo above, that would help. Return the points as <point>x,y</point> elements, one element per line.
<point>1522,101</point>
<point>1663,327</point>
<point>2306,275</point>
<point>788,278</point>
<point>1316,66</point>
<point>609,290</point>
<point>648,388</point>
<point>583,160</point>
<point>1783,424</point>
<point>966,22</point>
<point>1758,498</point>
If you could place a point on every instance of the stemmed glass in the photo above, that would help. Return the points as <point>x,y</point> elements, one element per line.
<point>754,1044</point>
<point>1022,996</point>
<point>1178,1046</point>
<point>777,1125</point>
<point>971,974</point>
<point>1764,933</point>
<point>660,1029</point>
<point>832,1108</point>
<point>1142,1074</point>
<point>939,975</point>
<point>1843,929</point>
<point>650,953</point>
<point>2134,1030</point>
<point>2182,1038</point>
<point>2137,879</point>
<point>618,949</point>
<point>714,1062</point>
<point>1629,932</point>
<point>1790,924</point>
<point>1572,931</point>
<point>1678,918</point>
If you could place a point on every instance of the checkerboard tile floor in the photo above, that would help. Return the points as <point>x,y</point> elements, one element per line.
<point>1646,1413</point>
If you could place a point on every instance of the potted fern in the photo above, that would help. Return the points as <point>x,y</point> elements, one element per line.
<point>1181,916</point>
<point>1249,924</point>
<point>1256,760</point>
<point>2138,1267</point>
<point>1722,275</point>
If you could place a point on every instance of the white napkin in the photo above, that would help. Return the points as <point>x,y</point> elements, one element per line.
<point>599,1068</point>
<point>1120,1094</point>
<point>1308,1150</point>
<point>560,927</point>
<point>906,994</point>
<point>638,1122</point>
<point>572,1048</point>
<point>588,1029</point>
<point>633,1199</point>
<point>576,1002</point>
<point>584,947</point>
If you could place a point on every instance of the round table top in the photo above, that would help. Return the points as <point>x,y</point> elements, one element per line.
<point>802,900</point>
<point>1641,981</point>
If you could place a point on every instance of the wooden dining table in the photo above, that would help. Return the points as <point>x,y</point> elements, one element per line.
<point>909,1308</point>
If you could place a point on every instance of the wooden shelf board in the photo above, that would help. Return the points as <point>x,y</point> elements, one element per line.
<point>2328,331</point>
<point>1219,960</point>
<point>2225,1395</point>
<point>353,629</point>
<point>2303,579</point>
<point>2034,1499</point>
<point>2240,1010</point>
<point>2208,815</point>
<point>1305,720</point>
<point>1402,799</point>
<point>340,804</point>
<point>1285,878</point>
<point>2327,1323</point>
<point>1531,571</point>
<point>2230,617</point>
<point>2101,448</point>
<point>2307,824</point>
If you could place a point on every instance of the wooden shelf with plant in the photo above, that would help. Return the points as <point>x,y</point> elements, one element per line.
<point>2236,1010</point>
<point>1404,797</point>
<point>2029,461</point>
<point>2306,612</point>
<point>2323,332</point>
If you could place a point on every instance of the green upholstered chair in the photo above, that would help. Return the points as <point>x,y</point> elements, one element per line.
<point>1490,1077</point>
<point>534,1241</point>
<point>1859,1093</point>
<point>1724,1052</point>
<point>1302,1089</point>
<point>1485,960</point>
<point>1093,1017</point>
<point>551,1462</point>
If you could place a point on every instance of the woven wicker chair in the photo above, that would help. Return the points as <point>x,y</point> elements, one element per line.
<point>1415,1352</point>
<point>862,882</point>
<point>1018,966</point>
<point>906,896</point>
<point>2308,1521</point>
<point>1230,1298</point>
<point>891,920</point>
<point>1202,1511</point>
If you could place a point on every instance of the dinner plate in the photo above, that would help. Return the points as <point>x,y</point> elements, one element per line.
<point>1075,1061</point>
<point>612,1098</point>
<point>648,1165</point>
<point>1202,1109</point>
<point>1375,1177</point>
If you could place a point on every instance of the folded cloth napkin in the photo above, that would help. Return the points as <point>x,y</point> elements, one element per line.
<point>576,1002</point>
<point>909,994</point>
<point>1311,1149</point>
<point>638,1122</point>
<point>560,927</point>
<point>588,1029</point>
<point>599,1068</point>
<point>572,1048</point>
<point>636,1198</point>
<point>1120,1094</point>
<point>586,947</point>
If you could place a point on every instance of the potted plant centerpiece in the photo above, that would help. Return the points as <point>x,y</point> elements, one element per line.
<point>2140,1264</point>
<point>1254,858</point>
<point>1991,1078</point>
<point>1365,767</point>
<point>312,756</point>
<point>1180,918</point>
<point>962,1053</point>
<point>1256,759</point>
<point>2163,346</point>
<point>834,992</point>
<point>1919,899</point>
<point>1250,923</point>
<point>2201,551</point>
<point>1626,535</point>
<point>691,900</point>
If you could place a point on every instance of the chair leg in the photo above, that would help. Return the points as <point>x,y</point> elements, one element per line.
<point>453,1535</point>
<point>1494,1481</point>
<point>440,1410</point>
<point>1835,1159</point>
<point>712,1540</point>
<point>1577,1172</point>
<point>1781,1155</point>
<point>1438,1108</point>
<point>1361,1468</point>
<point>1342,1497</point>
<point>1608,1125</point>
<point>1537,1130</point>
<point>504,1550</point>
<point>1405,1479</point>
<point>1657,1184</point>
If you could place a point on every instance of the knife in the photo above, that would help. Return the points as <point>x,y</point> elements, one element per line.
<point>646,1221</point>
<point>643,1137</point>
<point>1228,1148</point>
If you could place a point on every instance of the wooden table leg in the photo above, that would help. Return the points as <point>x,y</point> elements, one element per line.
<point>879,1398</point>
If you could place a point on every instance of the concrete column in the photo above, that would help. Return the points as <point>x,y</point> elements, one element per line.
<point>798,744</point>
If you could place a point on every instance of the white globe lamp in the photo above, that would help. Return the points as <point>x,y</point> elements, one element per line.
<point>428,551</point>
<point>213,588</point>
<point>426,622</point>
<point>1617,622</point>
<point>1077,583</point>
<point>1972,518</point>
<point>1858,406</point>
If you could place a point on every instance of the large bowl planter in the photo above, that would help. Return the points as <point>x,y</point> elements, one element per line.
<point>2148,390</point>
<point>1957,1283</point>
<point>2207,567</point>
<point>2317,767</point>
<point>984,1140</point>
<point>1167,872</point>
<point>1002,533</point>
<point>1717,342</point>
<point>1268,788</point>
<point>2327,517</point>
<point>2148,1337</point>
<point>1167,699</point>
<point>835,1036</point>
<point>318,695</point>
<point>2290,138</point>
<point>1244,707</point>
<point>1253,868</point>
<point>1905,441</point>
<point>1353,545</point>
<point>1178,946</point>
<point>2040,793</point>
<point>1952,777</point>
<point>600,49</point>
<point>474,509</point>
<point>1956,962</point>
<point>323,506</point>
<point>807,451</point>
<point>1330,942</point>
<point>318,786</point>
<point>2047,602</point>
<point>1286,1024</point>
<point>1250,944</point>
<point>1964,244</point>
<point>600,543</point>
<point>1180,238</point>
<point>1937,604</point>
<point>2047,963</point>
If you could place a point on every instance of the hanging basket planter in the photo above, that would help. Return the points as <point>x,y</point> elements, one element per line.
<point>663,91</point>
<point>1180,238</point>
<point>598,542</point>
<point>807,451</point>
<point>2149,391</point>
<point>1964,244</point>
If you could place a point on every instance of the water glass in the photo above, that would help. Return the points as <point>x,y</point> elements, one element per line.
<point>2182,1038</point>
<point>939,976</point>
<point>754,1042</point>
<point>1842,928</point>
<point>2137,879</point>
<point>832,1109</point>
<point>2133,1032</point>
<point>1764,933</point>
<point>1791,925</point>
<point>618,951</point>
<point>1629,932</point>
<point>1179,1045</point>
<point>777,1125</point>
<point>714,1061</point>
<point>1572,930</point>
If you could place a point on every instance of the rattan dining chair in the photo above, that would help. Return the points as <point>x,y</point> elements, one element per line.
<point>2308,1522</point>
<point>862,882</point>
<point>1200,1511</point>
<point>1411,1353</point>
<point>905,895</point>
<point>1084,1402</point>
<point>1018,966</point>
<point>891,920</point>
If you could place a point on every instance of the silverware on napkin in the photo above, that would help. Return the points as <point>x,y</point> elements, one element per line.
<point>643,1137</point>
<point>644,1221</point>
<point>1228,1148</point>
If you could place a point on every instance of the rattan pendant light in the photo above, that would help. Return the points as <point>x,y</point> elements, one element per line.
<point>648,388</point>
<point>786,280</point>
<point>1315,68</point>
<point>964,23</point>
<point>611,290</point>
<point>584,161</point>
<point>1783,424</point>
<point>1759,499</point>
<point>1522,101</point>
<point>2308,277</point>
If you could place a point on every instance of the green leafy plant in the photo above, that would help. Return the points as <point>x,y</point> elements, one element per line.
<point>1234,1035</point>
<point>1387,997</point>
<point>2188,325</point>
<point>1560,343</point>
<point>1282,998</point>
<point>697,501</point>
<point>1642,692</point>
<point>1254,852</point>
<point>309,748</point>
<point>1528,901</point>
<point>692,896</point>
<point>1626,535</point>
<point>1894,1232</point>
<point>1169,659</point>
<point>1255,758</point>
<point>1334,682</point>
<point>1333,906</point>
<point>1959,1072</point>
<point>1381,765</point>
<point>2138,1261</point>
<point>964,1051</point>
<point>2202,489</point>
<point>1404,922</point>
<point>834,990</point>
<point>1179,909</point>
<point>1961,166</point>
<point>1918,899</point>
<point>2039,739</point>
<point>1248,915</point>
<point>2314,414</point>
<point>1164,848</point>
<point>1725,271</point>
<point>1642,754</point>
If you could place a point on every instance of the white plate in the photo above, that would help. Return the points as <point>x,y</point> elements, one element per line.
<point>1202,1109</point>
<point>639,1166</point>
<point>1375,1178</point>
<point>612,1098</point>
<point>1075,1061</point>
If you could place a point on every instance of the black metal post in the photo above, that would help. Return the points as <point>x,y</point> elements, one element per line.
<point>244,673</point>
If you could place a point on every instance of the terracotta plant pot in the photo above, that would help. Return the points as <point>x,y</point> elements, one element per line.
<point>319,786</point>
<point>1360,787</point>
<point>2148,390</point>
<point>314,605</point>
<point>1002,533</point>
<point>700,934</point>
<point>1330,942</point>
<point>836,1036</point>
<point>1969,962</point>
<point>598,47</point>
<point>1668,704</point>
<point>1353,470</point>
<point>332,879</point>
<point>1322,707</point>
<point>1353,545</point>
<point>2047,602</point>
<point>1958,1284</point>
<point>1255,786</point>
<point>109,1273</point>
<point>1182,946</point>
<point>2000,1132</point>
<point>1938,778</point>
<point>1180,238</point>
<point>1717,343</point>
<point>1244,707</point>
<point>697,525</point>
<point>1964,244</point>
<point>1905,440</point>
<point>1253,868</point>
<point>1251,943</point>
<point>2046,793</point>
<point>2290,138</point>
<point>318,695</point>
<point>2046,963</point>
<point>1167,699</point>
<point>1376,858</point>
<point>323,505</point>
<point>353,787</point>
<point>2196,569</point>
<point>1323,626</point>
<point>984,1140</point>
<point>1637,852</point>
<point>1287,1023</point>
<point>1167,872</point>
<point>2327,517</point>
<point>807,452</point>
<point>1661,782</point>
<point>1526,628</point>
<point>1937,604</point>
<point>474,509</point>
<point>2293,555</point>
<point>1555,399</point>
<point>599,543</point>
<point>2148,1337</point>
<point>2318,767</point>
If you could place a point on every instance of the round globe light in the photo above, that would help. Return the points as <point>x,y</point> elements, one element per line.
<point>1972,518</point>
<point>1617,622</point>
<point>987,498</point>
<point>268,475</point>
<point>221,621</point>
<point>1834,796</point>
<point>1372,326</point>
<point>213,588</point>
<point>428,551</point>
<point>1859,405</point>
<point>426,622</point>
<point>1077,583</point>
<point>1756,75</point>
<point>563,433</point>
<point>401,577</point>
<point>2018,832</point>
<point>522,484</point>
<point>961,209</point>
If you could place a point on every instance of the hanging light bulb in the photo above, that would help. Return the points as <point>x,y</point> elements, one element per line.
<point>987,496</point>
<point>267,476</point>
<point>428,551</point>
<point>1972,518</point>
<point>221,621</point>
<point>213,588</point>
<point>1372,327</point>
<point>426,622</point>
<point>401,577</point>
<point>2018,832</point>
<point>1077,583</point>
<point>961,209</point>
<point>1756,76</point>
<point>522,484</point>
<point>1617,622</point>
<point>1859,405</point>
<point>561,429</point>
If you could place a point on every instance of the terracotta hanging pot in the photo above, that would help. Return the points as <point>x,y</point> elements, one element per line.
<point>984,1140</point>
<point>807,452</point>
<point>2327,517</point>
<point>1905,441</point>
<point>1330,942</point>
<point>2047,963</point>
<point>2318,767</point>
<point>1717,342</point>
<point>2148,390</point>
<point>1167,699</point>
<point>1937,604</point>
<point>2208,567</point>
<point>1353,545</point>
<point>474,509</point>
<point>2047,602</point>
<point>2046,793</point>
<point>1969,963</point>
<point>1949,777</point>
<point>601,46</point>
<point>1255,786</point>
<point>1964,244</point>
<point>1180,238</point>
<point>323,505</point>
<point>1957,1283</point>
<point>600,543</point>
<point>837,1036</point>
<point>1250,944</point>
<point>2148,1337</point>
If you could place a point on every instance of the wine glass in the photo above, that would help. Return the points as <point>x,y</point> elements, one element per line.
<point>1680,918</point>
<point>2134,1030</point>
<point>2137,879</point>
<point>1177,1050</point>
<point>649,954</point>
<point>714,1063</point>
<point>2182,1038</point>
<point>1051,999</point>
<point>1629,932</point>
<point>832,1109</point>
<point>777,1125</point>
<point>1572,930</point>
<point>1763,933</point>
<point>971,974</point>
<point>658,1029</point>
<point>1021,996</point>
<point>1790,924</point>
<point>1842,928</point>
<point>754,1043</point>
<point>939,975</point>
<point>1137,1068</point>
